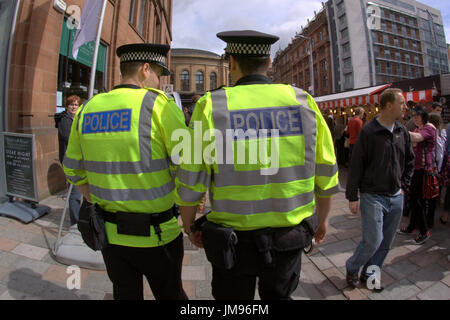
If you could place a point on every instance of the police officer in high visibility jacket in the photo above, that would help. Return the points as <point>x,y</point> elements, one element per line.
<point>118,158</point>
<point>266,155</point>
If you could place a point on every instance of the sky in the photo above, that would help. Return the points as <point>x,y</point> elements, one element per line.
<point>196,22</point>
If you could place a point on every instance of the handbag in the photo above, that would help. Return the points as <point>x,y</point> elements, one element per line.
<point>430,185</point>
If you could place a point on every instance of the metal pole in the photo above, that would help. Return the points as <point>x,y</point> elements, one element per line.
<point>63,216</point>
<point>8,67</point>
<point>311,63</point>
<point>97,44</point>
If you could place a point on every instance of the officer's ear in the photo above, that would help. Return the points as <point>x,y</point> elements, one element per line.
<point>146,70</point>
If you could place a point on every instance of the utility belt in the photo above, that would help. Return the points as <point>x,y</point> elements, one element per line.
<point>91,223</point>
<point>138,224</point>
<point>220,242</point>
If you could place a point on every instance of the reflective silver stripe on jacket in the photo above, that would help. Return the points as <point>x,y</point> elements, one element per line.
<point>188,195</point>
<point>325,170</point>
<point>146,165</point>
<point>75,178</point>
<point>227,176</point>
<point>329,192</point>
<point>262,206</point>
<point>193,178</point>
<point>73,164</point>
<point>132,194</point>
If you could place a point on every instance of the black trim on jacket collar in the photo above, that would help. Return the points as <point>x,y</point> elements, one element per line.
<point>253,79</point>
<point>379,127</point>
<point>127,86</point>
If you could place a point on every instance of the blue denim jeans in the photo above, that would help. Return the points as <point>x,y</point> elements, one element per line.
<point>380,218</point>
<point>74,205</point>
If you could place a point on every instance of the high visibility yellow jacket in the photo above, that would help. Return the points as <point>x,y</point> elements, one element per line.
<point>120,144</point>
<point>257,192</point>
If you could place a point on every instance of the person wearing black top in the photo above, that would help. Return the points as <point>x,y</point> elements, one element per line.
<point>63,121</point>
<point>381,168</point>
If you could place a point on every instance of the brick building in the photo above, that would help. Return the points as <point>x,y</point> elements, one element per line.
<point>197,71</point>
<point>43,71</point>
<point>292,65</point>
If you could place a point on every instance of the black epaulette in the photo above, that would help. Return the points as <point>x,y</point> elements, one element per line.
<point>217,88</point>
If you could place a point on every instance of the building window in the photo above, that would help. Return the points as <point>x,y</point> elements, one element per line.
<point>185,84</point>
<point>344,33</point>
<point>132,11</point>
<point>376,52</point>
<point>389,67</point>
<point>387,54</point>
<point>396,43</point>
<point>394,28</point>
<point>348,63</point>
<point>324,65</point>
<point>348,81</point>
<point>172,78</point>
<point>346,48</point>
<point>199,81</point>
<point>230,81</point>
<point>213,80</point>
<point>142,17</point>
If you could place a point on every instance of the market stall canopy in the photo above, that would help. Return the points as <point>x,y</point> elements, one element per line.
<point>369,96</point>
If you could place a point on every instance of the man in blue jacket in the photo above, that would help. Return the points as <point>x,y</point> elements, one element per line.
<point>381,168</point>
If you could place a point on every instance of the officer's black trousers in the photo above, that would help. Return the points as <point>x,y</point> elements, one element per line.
<point>126,267</point>
<point>277,280</point>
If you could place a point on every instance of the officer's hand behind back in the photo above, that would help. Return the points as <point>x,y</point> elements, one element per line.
<point>196,239</point>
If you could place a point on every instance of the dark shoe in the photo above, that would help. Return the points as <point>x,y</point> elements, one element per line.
<point>352,279</point>
<point>405,230</point>
<point>363,280</point>
<point>421,238</point>
<point>442,221</point>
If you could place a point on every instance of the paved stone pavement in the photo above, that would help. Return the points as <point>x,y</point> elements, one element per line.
<point>28,270</point>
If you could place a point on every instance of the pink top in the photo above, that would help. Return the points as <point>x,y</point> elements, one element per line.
<point>429,135</point>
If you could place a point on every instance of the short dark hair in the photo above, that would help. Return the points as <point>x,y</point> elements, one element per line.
<point>411,104</point>
<point>422,112</point>
<point>436,120</point>
<point>249,65</point>
<point>436,105</point>
<point>129,69</point>
<point>388,95</point>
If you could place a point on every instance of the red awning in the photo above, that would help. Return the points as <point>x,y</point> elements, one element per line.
<point>370,97</point>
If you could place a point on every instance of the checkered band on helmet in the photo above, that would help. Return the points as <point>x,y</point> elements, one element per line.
<point>142,56</point>
<point>248,48</point>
